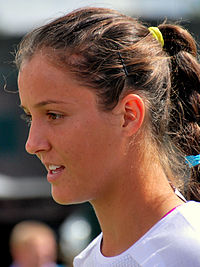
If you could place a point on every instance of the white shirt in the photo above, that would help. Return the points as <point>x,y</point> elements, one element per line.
<point>173,241</point>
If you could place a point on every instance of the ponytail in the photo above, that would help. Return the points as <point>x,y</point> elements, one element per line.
<point>184,125</point>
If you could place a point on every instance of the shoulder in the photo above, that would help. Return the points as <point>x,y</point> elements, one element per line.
<point>182,225</point>
<point>183,218</point>
<point>190,212</point>
<point>88,253</point>
<point>175,240</point>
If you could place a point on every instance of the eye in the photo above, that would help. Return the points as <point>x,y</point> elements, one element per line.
<point>54,116</point>
<point>27,118</point>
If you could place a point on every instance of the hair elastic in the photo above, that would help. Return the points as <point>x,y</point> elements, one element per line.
<point>157,34</point>
<point>192,160</point>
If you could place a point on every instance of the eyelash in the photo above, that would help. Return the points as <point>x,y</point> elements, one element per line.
<point>52,116</point>
<point>27,118</point>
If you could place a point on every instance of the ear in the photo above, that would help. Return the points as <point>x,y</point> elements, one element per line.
<point>133,110</point>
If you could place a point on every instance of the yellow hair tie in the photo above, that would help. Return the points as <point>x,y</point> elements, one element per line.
<point>157,34</point>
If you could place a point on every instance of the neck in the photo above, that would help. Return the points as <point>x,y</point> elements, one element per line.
<point>135,203</point>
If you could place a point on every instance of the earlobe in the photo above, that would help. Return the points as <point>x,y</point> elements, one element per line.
<point>134,111</point>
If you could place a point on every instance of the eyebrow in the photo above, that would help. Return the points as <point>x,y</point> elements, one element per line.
<point>44,103</point>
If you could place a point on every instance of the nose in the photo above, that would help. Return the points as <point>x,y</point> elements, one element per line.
<point>37,140</point>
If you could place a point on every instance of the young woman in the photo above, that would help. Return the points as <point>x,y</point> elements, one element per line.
<point>114,109</point>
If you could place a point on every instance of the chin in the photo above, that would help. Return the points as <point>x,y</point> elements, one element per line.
<point>67,200</point>
<point>62,200</point>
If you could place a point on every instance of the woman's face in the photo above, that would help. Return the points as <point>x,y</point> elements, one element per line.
<point>80,146</point>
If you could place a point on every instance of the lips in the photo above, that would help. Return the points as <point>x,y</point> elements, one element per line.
<point>55,168</point>
<point>54,172</point>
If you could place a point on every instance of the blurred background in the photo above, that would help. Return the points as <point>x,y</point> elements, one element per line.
<point>24,191</point>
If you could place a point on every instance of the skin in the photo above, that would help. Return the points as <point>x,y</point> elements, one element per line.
<point>37,251</point>
<point>104,155</point>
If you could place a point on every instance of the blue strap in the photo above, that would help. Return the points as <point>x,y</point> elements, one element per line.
<point>192,160</point>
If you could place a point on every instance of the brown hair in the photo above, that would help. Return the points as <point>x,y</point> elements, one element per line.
<point>113,54</point>
<point>184,125</point>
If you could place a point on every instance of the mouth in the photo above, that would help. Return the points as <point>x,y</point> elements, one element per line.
<point>53,169</point>
<point>54,172</point>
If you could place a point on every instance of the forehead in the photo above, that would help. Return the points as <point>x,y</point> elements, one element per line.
<point>39,67</point>
<point>38,78</point>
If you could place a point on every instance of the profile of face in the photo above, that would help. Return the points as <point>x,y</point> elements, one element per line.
<point>80,145</point>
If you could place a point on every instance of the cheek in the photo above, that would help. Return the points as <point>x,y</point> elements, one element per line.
<point>91,151</point>
<point>93,158</point>
<point>87,144</point>
<point>87,149</point>
<point>83,138</point>
<point>89,171</point>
